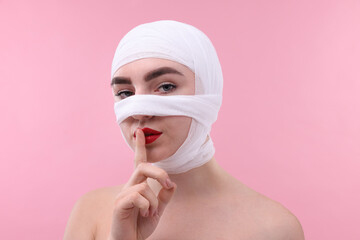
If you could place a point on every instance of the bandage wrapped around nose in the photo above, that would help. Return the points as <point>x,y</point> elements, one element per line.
<point>189,46</point>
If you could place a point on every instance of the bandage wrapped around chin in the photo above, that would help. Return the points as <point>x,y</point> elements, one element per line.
<point>189,46</point>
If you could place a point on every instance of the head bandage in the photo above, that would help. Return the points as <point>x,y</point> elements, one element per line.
<point>189,46</point>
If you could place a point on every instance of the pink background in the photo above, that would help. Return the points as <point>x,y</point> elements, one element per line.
<point>289,126</point>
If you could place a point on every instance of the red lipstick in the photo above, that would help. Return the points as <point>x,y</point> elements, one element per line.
<point>150,135</point>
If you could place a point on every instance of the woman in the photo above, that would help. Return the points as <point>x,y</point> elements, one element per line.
<point>167,85</point>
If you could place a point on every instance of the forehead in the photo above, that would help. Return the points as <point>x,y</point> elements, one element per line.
<point>145,65</point>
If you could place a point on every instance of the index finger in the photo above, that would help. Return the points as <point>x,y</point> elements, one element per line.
<point>140,150</point>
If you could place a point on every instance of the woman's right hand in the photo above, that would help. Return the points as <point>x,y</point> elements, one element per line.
<point>137,209</point>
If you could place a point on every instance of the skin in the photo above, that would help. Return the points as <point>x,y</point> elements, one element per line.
<point>203,203</point>
<point>174,128</point>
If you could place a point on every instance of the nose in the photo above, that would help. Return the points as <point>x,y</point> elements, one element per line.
<point>142,117</point>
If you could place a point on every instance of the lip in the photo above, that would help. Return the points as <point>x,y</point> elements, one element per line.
<point>150,135</point>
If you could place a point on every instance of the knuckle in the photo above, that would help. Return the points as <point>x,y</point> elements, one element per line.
<point>163,174</point>
<point>121,198</point>
<point>156,204</point>
<point>119,202</point>
<point>117,206</point>
<point>142,187</point>
<point>146,204</point>
<point>142,166</point>
<point>134,196</point>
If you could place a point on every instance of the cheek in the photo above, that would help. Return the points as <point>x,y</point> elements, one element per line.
<point>125,128</point>
<point>122,127</point>
<point>187,123</point>
<point>181,126</point>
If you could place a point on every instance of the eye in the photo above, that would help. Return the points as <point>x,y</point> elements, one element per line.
<point>124,94</point>
<point>167,87</point>
<point>164,88</point>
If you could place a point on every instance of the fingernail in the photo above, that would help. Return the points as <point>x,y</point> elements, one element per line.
<point>169,183</point>
<point>137,132</point>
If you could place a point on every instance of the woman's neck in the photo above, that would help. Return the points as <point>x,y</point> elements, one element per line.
<point>205,180</point>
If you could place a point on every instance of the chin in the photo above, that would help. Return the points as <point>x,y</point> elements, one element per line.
<point>154,155</point>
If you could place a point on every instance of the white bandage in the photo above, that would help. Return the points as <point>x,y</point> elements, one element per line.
<point>187,45</point>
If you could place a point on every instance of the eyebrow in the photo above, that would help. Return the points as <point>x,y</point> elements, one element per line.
<point>149,76</point>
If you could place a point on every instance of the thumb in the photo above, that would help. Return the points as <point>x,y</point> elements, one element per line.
<point>164,197</point>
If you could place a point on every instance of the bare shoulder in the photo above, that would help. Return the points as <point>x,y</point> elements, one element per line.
<point>87,210</point>
<point>276,220</point>
<point>281,223</point>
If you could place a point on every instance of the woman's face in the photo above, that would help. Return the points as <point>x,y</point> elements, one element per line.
<point>159,77</point>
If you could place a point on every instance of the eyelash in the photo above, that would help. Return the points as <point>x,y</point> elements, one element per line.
<point>173,87</point>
